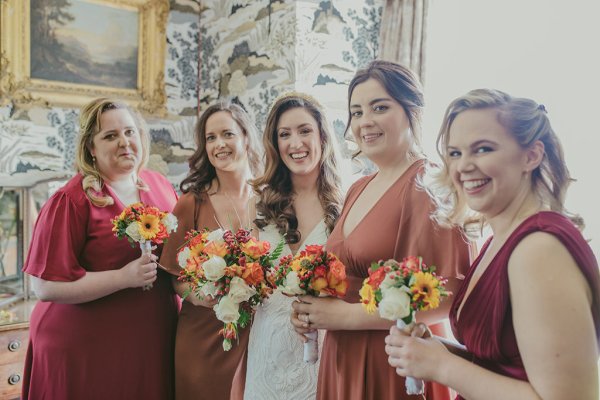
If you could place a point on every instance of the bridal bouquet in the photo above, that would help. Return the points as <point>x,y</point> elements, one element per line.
<point>315,272</point>
<point>398,290</point>
<point>145,225</point>
<point>231,268</point>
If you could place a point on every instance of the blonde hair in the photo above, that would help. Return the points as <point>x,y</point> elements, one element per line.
<point>89,126</point>
<point>528,122</point>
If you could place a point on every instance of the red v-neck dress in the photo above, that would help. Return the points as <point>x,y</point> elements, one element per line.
<point>354,364</point>
<point>117,347</point>
<point>203,370</point>
<point>485,325</point>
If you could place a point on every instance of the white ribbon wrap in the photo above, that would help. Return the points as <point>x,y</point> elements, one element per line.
<point>413,385</point>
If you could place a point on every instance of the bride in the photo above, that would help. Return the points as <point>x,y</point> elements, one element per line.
<point>299,200</point>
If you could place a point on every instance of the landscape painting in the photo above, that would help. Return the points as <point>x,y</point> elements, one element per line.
<point>84,42</point>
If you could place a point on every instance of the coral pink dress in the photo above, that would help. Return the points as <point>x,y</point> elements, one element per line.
<point>354,364</point>
<point>117,347</point>
<point>485,326</point>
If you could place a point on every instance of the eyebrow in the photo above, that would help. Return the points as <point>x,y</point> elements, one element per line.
<point>377,100</point>
<point>475,144</point>
<point>285,128</point>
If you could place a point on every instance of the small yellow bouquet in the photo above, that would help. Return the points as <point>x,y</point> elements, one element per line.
<point>145,225</point>
<point>398,290</point>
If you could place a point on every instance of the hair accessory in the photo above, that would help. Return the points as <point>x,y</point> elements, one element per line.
<point>299,95</point>
<point>542,107</point>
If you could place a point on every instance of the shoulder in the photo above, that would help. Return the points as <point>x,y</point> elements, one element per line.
<point>358,185</point>
<point>72,192</point>
<point>154,179</point>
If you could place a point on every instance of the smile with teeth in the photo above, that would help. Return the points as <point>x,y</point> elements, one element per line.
<point>299,156</point>
<point>475,184</point>
<point>223,155</point>
<point>371,136</point>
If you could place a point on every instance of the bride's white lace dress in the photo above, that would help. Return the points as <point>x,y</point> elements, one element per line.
<point>275,368</point>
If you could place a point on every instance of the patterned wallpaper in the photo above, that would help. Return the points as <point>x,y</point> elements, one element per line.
<point>253,50</point>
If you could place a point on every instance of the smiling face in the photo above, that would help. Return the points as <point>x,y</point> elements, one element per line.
<point>226,144</point>
<point>299,141</point>
<point>117,146</point>
<point>487,166</point>
<point>379,124</point>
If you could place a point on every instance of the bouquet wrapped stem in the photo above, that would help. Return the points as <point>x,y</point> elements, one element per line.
<point>311,347</point>
<point>413,385</point>
<point>146,248</point>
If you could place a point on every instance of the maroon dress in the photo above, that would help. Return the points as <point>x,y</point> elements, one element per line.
<point>117,347</point>
<point>354,364</point>
<point>485,326</point>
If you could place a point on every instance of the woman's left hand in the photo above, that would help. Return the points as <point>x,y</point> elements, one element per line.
<point>415,356</point>
<point>322,312</point>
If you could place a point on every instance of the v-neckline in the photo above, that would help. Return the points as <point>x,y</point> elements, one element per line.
<point>118,200</point>
<point>342,221</point>
<point>305,241</point>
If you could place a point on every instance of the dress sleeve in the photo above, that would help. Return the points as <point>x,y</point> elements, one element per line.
<point>58,239</point>
<point>419,235</point>
<point>184,211</point>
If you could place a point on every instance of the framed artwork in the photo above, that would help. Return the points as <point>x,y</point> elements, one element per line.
<point>66,52</point>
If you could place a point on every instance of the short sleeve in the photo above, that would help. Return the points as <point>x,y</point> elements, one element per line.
<point>58,239</point>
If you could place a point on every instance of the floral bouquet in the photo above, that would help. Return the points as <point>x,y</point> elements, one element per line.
<point>145,225</point>
<point>231,268</point>
<point>398,290</point>
<point>315,272</point>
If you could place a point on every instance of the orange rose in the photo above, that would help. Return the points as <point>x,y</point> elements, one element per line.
<point>336,273</point>
<point>255,249</point>
<point>340,288</point>
<point>253,273</point>
<point>413,263</point>
<point>319,283</point>
<point>216,248</point>
<point>313,249</point>
<point>376,277</point>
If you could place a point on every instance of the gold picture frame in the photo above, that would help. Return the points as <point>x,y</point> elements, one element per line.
<point>145,88</point>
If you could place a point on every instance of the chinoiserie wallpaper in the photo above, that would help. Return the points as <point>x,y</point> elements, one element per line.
<point>252,50</point>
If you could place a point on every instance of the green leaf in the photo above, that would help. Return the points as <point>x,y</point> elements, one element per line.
<point>277,251</point>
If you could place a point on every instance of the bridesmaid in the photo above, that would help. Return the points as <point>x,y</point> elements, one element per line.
<point>216,194</point>
<point>385,216</point>
<point>299,200</point>
<point>533,294</point>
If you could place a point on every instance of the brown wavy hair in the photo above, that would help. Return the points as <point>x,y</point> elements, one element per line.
<point>275,189</point>
<point>202,172</point>
<point>89,126</point>
<point>528,122</point>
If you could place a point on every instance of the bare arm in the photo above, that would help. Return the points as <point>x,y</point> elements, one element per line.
<point>95,285</point>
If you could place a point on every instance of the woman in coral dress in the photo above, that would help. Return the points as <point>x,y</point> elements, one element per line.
<point>216,195</point>
<point>385,216</point>
<point>528,313</point>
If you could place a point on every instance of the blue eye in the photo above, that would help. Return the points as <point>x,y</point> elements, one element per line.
<point>380,108</point>
<point>484,149</point>
<point>454,153</point>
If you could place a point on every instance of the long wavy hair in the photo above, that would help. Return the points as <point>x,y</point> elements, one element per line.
<point>202,172</point>
<point>528,122</point>
<point>403,86</point>
<point>275,189</point>
<point>89,126</point>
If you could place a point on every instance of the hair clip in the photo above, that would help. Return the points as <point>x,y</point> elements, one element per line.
<point>542,107</point>
<point>299,95</point>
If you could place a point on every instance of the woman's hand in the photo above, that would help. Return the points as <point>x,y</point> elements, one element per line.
<point>140,272</point>
<point>415,353</point>
<point>206,301</point>
<point>310,313</point>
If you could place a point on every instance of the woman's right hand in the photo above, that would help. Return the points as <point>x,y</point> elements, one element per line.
<point>140,272</point>
<point>300,326</point>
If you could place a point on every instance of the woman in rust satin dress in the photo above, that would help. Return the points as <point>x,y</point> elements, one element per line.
<point>215,194</point>
<point>385,216</point>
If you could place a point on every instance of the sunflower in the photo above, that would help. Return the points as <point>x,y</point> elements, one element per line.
<point>425,290</point>
<point>149,225</point>
<point>367,297</point>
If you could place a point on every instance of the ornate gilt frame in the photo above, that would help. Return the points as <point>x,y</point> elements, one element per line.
<point>17,86</point>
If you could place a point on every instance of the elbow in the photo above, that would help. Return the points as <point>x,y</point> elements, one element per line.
<point>42,289</point>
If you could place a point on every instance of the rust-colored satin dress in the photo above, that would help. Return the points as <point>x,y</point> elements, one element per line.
<point>354,364</point>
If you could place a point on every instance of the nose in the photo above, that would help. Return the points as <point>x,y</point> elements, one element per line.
<point>295,141</point>
<point>219,142</point>
<point>365,121</point>
<point>464,164</point>
<point>123,140</point>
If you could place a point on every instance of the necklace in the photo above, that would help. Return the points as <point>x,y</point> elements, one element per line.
<point>237,214</point>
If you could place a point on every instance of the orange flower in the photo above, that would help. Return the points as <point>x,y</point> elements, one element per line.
<point>413,263</point>
<point>376,277</point>
<point>319,283</point>
<point>313,249</point>
<point>216,248</point>
<point>253,273</point>
<point>255,249</point>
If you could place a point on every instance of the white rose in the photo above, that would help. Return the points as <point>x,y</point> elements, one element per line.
<point>395,303</point>
<point>183,256</point>
<point>239,291</point>
<point>209,289</point>
<point>214,268</point>
<point>133,231</point>
<point>387,283</point>
<point>226,345</point>
<point>291,284</point>
<point>215,235</point>
<point>170,222</point>
<point>227,310</point>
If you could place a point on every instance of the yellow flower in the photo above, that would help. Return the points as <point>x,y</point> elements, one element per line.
<point>425,289</point>
<point>367,298</point>
<point>149,225</point>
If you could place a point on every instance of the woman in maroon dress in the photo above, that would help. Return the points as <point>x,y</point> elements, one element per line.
<point>384,216</point>
<point>216,195</point>
<point>96,334</point>
<point>528,312</point>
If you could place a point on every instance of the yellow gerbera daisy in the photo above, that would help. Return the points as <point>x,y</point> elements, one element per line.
<point>149,225</point>
<point>367,297</point>
<point>425,288</point>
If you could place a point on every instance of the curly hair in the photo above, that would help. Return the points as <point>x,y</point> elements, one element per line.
<point>202,172</point>
<point>528,122</point>
<point>89,126</point>
<point>275,189</point>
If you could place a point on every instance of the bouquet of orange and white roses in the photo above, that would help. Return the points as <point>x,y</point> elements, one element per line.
<point>315,272</point>
<point>231,268</point>
<point>145,225</point>
<point>398,290</point>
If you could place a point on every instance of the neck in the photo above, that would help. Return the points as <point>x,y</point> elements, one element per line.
<point>123,181</point>
<point>393,170</point>
<point>523,206</point>
<point>303,185</point>
<point>233,183</point>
